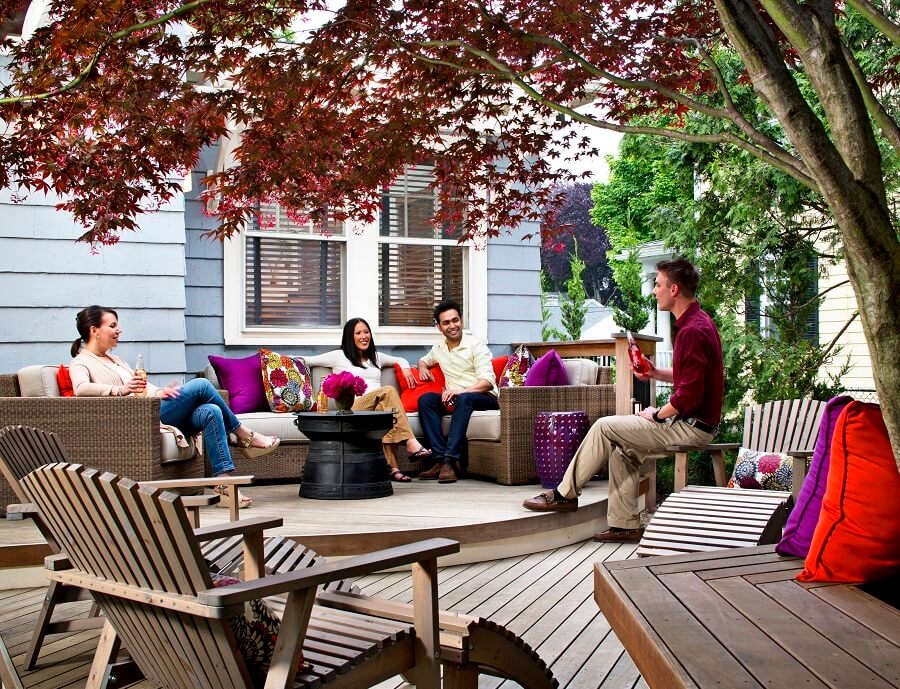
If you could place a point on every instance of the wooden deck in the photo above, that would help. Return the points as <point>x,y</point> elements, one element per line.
<point>487,519</point>
<point>547,597</point>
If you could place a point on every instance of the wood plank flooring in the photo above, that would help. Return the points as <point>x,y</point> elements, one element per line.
<point>547,597</point>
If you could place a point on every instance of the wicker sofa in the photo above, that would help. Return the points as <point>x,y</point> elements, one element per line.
<point>499,442</point>
<point>118,434</point>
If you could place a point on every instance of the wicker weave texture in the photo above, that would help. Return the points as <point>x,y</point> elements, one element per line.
<point>511,461</point>
<point>113,434</point>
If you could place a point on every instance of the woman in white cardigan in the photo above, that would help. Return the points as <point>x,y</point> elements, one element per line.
<point>193,407</point>
<point>359,356</point>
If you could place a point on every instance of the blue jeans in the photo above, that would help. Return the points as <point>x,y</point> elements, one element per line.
<point>431,409</point>
<point>197,408</point>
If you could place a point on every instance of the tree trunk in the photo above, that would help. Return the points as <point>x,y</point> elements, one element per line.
<point>846,166</point>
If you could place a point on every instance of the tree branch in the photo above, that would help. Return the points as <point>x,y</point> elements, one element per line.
<point>85,72</point>
<point>882,118</point>
<point>877,19</point>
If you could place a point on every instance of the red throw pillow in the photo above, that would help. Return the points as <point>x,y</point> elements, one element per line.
<point>499,363</point>
<point>64,380</point>
<point>857,538</point>
<point>410,396</point>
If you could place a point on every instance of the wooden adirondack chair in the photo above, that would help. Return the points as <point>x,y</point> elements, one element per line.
<point>24,449</point>
<point>133,548</point>
<point>696,518</point>
<point>779,426</point>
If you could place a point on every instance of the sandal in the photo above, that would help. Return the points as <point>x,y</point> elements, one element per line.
<point>399,476</point>
<point>253,452</point>
<point>225,499</point>
<point>421,453</point>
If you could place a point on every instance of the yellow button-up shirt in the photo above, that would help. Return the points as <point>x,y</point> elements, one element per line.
<point>468,362</point>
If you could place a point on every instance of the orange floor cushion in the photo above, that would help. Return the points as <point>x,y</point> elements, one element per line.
<point>857,537</point>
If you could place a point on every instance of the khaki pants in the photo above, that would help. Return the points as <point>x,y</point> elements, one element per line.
<point>387,399</point>
<point>623,442</point>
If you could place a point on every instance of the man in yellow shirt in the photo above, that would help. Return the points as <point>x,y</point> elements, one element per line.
<point>470,386</point>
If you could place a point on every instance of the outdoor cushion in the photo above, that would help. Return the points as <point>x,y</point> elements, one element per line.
<point>273,423</point>
<point>38,381</point>
<point>171,451</point>
<point>581,371</point>
<point>286,381</point>
<point>857,538</point>
<point>483,425</point>
<point>762,470</point>
<point>243,381</point>
<point>548,370</point>
<point>801,523</point>
<point>64,381</point>
<point>498,363</point>
<point>410,396</point>
<point>517,365</point>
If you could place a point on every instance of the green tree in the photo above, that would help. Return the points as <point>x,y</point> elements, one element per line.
<point>632,314</point>
<point>548,332</point>
<point>573,304</point>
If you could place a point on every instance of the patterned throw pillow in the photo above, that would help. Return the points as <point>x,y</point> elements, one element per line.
<point>516,368</point>
<point>287,382</point>
<point>762,470</point>
<point>256,632</point>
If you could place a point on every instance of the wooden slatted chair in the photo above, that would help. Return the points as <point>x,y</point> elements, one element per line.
<point>157,594</point>
<point>135,550</point>
<point>23,449</point>
<point>696,518</point>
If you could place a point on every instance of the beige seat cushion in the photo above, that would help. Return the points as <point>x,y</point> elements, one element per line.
<point>274,423</point>
<point>170,451</point>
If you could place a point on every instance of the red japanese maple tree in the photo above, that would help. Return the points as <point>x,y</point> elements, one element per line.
<point>109,102</point>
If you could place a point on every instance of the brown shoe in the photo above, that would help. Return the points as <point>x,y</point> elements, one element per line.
<point>432,473</point>
<point>447,474</point>
<point>545,502</point>
<point>619,536</point>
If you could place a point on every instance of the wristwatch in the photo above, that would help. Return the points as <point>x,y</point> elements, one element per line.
<point>656,417</point>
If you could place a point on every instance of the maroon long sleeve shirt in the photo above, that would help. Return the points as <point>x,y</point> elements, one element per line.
<point>697,367</point>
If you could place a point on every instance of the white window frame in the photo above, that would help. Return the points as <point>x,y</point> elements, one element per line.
<point>360,297</point>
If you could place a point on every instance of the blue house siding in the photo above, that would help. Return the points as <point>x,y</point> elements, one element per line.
<point>514,289</point>
<point>46,277</point>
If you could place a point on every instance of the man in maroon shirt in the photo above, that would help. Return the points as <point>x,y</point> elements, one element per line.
<point>690,417</point>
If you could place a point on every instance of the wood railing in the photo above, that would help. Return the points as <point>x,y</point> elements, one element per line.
<point>617,347</point>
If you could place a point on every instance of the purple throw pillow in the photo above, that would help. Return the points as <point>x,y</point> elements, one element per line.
<point>242,378</point>
<point>548,370</point>
<point>801,524</point>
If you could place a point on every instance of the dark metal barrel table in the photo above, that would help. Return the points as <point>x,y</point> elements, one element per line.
<point>345,460</point>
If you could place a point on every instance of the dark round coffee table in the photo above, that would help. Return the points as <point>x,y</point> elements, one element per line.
<point>345,460</point>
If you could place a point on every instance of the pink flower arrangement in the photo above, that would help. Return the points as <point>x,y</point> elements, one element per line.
<point>337,384</point>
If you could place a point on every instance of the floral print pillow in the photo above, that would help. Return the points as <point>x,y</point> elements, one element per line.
<point>762,470</point>
<point>287,382</point>
<point>517,365</point>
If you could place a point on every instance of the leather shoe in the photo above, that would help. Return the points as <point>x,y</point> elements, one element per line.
<point>545,502</point>
<point>431,473</point>
<point>447,474</point>
<point>619,536</point>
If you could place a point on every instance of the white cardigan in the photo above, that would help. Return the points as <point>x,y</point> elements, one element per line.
<point>338,363</point>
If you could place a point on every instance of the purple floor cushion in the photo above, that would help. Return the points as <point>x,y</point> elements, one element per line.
<point>801,524</point>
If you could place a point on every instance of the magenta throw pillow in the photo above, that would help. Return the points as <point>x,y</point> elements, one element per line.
<point>801,524</point>
<point>242,379</point>
<point>548,370</point>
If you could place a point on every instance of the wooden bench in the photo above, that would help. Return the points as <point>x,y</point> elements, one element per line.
<point>739,618</point>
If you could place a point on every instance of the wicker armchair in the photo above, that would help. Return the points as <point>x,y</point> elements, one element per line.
<point>114,434</point>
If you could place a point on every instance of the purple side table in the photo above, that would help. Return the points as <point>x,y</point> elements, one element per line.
<point>557,434</point>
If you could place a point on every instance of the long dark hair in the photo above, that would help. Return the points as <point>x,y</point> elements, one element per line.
<point>348,346</point>
<point>91,317</point>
